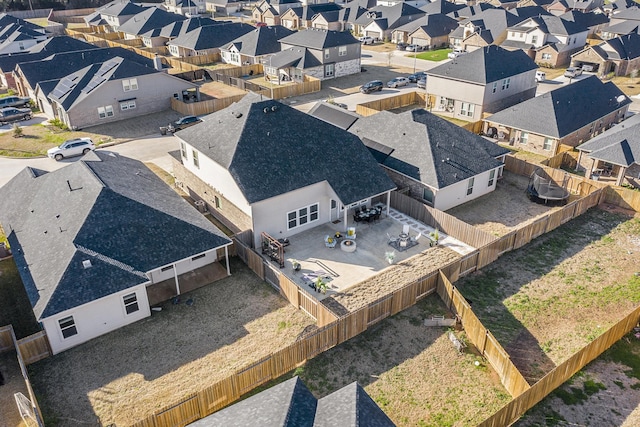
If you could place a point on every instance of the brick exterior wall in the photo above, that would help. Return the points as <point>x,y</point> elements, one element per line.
<point>416,189</point>
<point>228,213</point>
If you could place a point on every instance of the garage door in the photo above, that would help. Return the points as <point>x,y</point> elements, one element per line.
<point>419,41</point>
<point>374,34</point>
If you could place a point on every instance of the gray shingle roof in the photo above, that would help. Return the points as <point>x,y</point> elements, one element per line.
<point>427,148</point>
<point>178,28</point>
<point>109,209</point>
<point>274,153</point>
<point>298,57</point>
<point>624,47</point>
<point>315,38</point>
<point>333,114</point>
<point>62,64</point>
<point>43,50</point>
<point>350,406</point>
<point>262,40</point>
<point>149,19</point>
<point>619,145</point>
<point>288,404</point>
<point>441,6</point>
<point>212,36</point>
<point>564,110</point>
<point>485,65</point>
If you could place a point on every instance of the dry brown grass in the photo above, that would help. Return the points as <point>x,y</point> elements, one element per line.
<point>126,375</point>
<point>37,139</point>
<point>630,86</point>
<point>413,372</point>
<point>504,209</point>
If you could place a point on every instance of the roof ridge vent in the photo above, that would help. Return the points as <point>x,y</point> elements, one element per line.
<point>86,263</point>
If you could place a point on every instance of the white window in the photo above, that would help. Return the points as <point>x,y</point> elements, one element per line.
<point>342,51</point>
<point>127,105</point>
<point>234,57</point>
<point>129,84</point>
<point>106,111</point>
<point>328,70</point>
<point>302,216</point>
<point>524,137</point>
<point>466,109</point>
<point>548,143</point>
<point>427,195</point>
<point>495,87</point>
<point>130,303</point>
<point>492,176</point>
<point>183,150</point>
<point>174,50</point>
<point>470,186</point>
<point>197,257</point>
<point>534,39</point>
<point>546,56</point>
<point>327,54</point>
<point>505,83</point>
<point>68,327</point>
<point>196,160</point>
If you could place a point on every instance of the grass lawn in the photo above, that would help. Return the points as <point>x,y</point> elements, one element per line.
<point>15,308</point>
<point>434,55</point>
<point>630,86</point>
<point>411,371</point>
<point>37,139</point>
<point>523,154</point>
<point>547,300</point>
<point>453,120</point>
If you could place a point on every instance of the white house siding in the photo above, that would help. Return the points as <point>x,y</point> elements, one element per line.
<point>96,318</point>
<point>458,91</point>
<point>521,87</point>
<point>183,266</point>
<point>154,94</point>
<point>456,194</point>
<point>270,215</point>
<point>217,177</point>
<point>45,105</point>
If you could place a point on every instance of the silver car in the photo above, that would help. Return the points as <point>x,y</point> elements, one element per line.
<point>10,114</point>
<point>398,81</point>
<point>70,148</point>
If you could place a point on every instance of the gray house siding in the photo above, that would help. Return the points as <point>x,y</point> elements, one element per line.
<point>153,94</point>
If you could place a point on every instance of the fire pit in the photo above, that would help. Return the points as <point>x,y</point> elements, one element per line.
<point>348,245</point>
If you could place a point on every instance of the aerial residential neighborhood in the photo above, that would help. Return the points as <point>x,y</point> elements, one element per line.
<point>327,213</point>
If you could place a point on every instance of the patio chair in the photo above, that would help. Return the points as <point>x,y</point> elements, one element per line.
<point>392,239</point>
<point>356,218</point>
<point>329,242</point>
<point>405,229</point>
<point>351,233</point>
<point>415,239</point>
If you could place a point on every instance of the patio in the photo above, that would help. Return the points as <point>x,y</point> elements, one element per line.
<point>341,269</point>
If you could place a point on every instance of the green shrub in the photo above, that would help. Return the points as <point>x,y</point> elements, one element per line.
<point>17,131</point>
<point>59,124</point>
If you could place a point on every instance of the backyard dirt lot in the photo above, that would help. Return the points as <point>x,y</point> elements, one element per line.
<point>548,299</point>
<point>503,210</point>
<point>413,372</point>
<point>124,376</point>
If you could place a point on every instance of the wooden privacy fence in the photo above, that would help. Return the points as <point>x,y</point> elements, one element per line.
<point>8,341</point>
<point>203,107</point>
<point>561,373</point>
<point>482,339</point>
<point>384,104</point>
<point>444,222</point>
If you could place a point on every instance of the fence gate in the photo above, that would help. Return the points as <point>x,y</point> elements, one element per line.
<point>26,409</point>
<point>272,275</point>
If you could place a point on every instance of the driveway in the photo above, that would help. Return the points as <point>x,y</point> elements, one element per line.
<point>136,127</point>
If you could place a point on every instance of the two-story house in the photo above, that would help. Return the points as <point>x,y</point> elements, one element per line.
<point>486,80</point>
<point>323,54</point>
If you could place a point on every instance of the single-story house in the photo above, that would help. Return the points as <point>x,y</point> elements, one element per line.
<point>207,39</point>
<point>148,24</point>
<point>113,14</point>
<point>264,166</point>
<point>95,240</point>
<point>116,89</point>
<point>488,79</point>
<point>619,55</point>
<point>442,164</point>
<point>431,31</point>
<point>569,115</point>
<point>223,7</point>
<point>254,46</point>
<point>615,152</point>
<point>291,404</point>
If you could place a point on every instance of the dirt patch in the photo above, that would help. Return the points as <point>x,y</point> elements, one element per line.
<point>220,90</point>
<point>126,375</point>
<point>411,371</point>
<point>380,47</point>
<point>549,299</point>
<point>505,209</point>
<point>405,272</point>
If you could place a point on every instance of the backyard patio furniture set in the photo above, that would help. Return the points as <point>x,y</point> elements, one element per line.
<point>367,214</point>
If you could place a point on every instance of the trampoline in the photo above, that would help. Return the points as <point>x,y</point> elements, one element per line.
<point>542,189</point>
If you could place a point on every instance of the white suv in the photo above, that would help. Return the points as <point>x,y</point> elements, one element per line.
<point>366,40</point>
<point>455,53</point>
<point>70,148</point>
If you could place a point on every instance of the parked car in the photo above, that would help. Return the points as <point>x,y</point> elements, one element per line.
<point>183,123</point>
<point>10,114</point>
<point>414,48</point>
<point>422,83</point>
<point>398,81</point>
<point>401,46</point>
<point>372,86</point>
<point>70,148</point>
<point>261,24</point>
<point>588,68</point>
<point>413,78</point>
<point>573,72</point>
<point>14,101</point>
<point>366,40</point>
<point>455,53</point>
<point>541,76</point>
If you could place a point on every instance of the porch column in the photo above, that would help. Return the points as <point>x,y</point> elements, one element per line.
<point>593,164</point>
<point>621,173</point>
<point>226,254</point>
<point>346,225</point>
<point>579,159</point>
<point>175,275</point>
<point>388,201</point>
